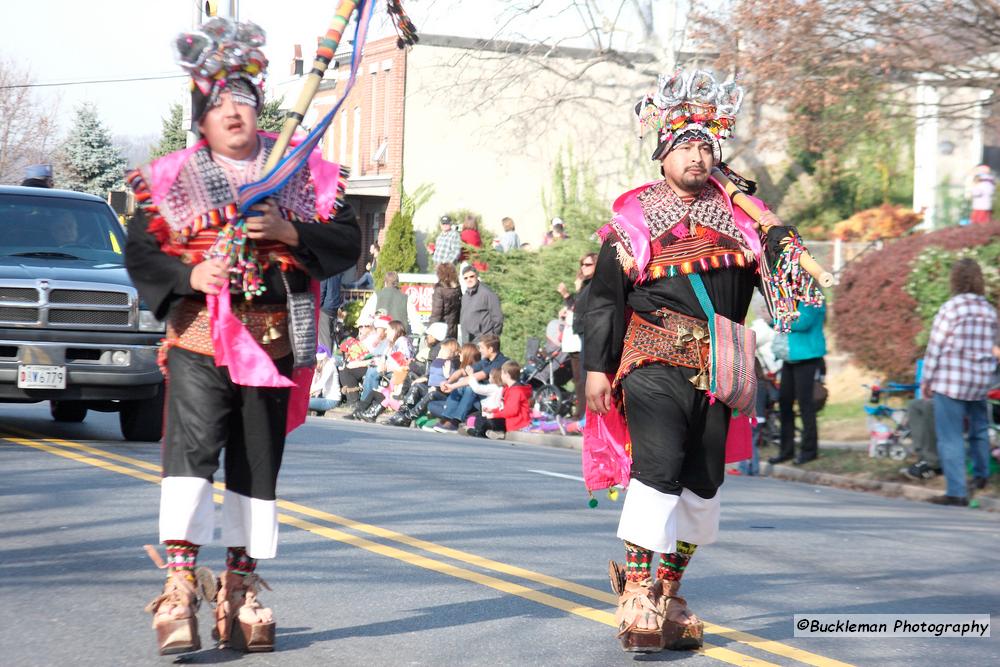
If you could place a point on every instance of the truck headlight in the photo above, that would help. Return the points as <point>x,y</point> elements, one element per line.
<point>149,323</point>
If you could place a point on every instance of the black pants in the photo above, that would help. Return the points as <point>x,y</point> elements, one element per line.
<point>206,412</point>
<point>350,383</point>
<point>484,424</point>
<point>579,384</point>
<point>678,437</point>
<point>797,385</point>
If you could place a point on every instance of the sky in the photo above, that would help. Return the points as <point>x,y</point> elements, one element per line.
<point>72,40</point>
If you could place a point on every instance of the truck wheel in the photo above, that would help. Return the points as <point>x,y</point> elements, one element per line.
<point>142,420</point>
<point>68,411</point>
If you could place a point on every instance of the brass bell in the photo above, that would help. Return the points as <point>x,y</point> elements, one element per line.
<point>273,332</point>
<point>700,381</point>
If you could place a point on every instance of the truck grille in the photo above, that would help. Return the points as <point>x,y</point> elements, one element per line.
<point>91,317</point>
<point>11,314</point>
<point>90,297</point>
<point>66,306</point>
<point>25,294</point>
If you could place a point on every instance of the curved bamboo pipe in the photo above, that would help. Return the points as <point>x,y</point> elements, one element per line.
<point>324,54</point>
<point>806,261</point>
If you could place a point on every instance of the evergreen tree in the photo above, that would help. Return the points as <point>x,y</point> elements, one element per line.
<point>174,136</point>
<point>91,162</point>
<point>399,253</point>
<point>271,117</point>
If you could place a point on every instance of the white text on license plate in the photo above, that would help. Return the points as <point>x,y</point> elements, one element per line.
<point>41,377</point>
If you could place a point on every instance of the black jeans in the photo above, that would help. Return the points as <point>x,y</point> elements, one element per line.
<point>484,424</point>
<point>797,384</point>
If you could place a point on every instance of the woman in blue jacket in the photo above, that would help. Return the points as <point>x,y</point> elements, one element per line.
<point>806,349</point>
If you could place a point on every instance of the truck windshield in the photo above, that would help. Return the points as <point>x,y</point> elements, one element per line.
<point>54,228</point>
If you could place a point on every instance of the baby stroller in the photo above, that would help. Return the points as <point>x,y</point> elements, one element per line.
<point>888,425</point>
<point>546,373</point>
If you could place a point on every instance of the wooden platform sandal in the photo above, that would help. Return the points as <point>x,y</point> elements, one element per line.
<point>637,601</point>
<point>242,623</point>
<point>175,609</point>
<point>682,630</point>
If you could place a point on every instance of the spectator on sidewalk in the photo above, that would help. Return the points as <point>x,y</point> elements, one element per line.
<point>391,302</point>
<point>359,355</point>
<point>367,280</point>
<point>557,232</point>
<point>509,240</point>
<point>766,367</point>
<point>983,189</point>
<point>470,233</point>
<point>324,392</point>
<point>481,313</point>
<point>920,417</point>
<point>573,334</point>
<point>806,349</point>
<point>446,300</point>
<point>514,412</point>
<point>490,392</point>
<point>461,399</point>
<point>330,302</point>
<point>447,247</point>
<point>426,388</point>
<point>958,369</point>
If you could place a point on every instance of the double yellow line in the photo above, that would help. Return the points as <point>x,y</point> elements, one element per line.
<point>307,518</point>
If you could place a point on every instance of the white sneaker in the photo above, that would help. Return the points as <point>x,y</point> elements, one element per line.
<point>496,435</point>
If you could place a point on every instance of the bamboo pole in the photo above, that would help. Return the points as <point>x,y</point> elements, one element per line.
<point>324,55</point>
<point>806,261</point>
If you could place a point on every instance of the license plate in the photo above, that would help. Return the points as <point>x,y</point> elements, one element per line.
<point>41,377</point>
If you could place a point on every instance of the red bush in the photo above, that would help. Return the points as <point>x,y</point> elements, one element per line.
<point>874,319</point>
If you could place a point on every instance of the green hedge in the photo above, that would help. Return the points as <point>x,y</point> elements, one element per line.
<point>525,282</point>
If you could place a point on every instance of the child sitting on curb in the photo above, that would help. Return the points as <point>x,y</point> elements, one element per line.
<point>492,391</point>
<point>514,414</point>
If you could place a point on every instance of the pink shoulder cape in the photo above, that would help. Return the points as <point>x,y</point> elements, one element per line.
<point>629,218</point>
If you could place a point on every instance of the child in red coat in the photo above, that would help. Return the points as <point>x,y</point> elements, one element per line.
<point>515,411</point>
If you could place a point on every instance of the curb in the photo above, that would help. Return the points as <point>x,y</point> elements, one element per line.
<point>888,489</point>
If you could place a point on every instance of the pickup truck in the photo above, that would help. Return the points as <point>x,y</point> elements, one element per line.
<point>73,330</point>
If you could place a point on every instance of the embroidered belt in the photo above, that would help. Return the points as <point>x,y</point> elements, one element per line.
<point>188,327</point>
<point>680,341</point>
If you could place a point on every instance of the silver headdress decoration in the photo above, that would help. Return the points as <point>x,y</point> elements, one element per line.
<point>690,102</point>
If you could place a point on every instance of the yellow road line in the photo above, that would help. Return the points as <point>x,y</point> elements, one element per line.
<point>767,645</point>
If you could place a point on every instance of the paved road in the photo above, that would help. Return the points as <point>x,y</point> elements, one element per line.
<point>409,548</point>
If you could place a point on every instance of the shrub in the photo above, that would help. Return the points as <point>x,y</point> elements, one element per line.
<point>875,317</point>
<point>883,222</point>
<point>929,279</point>
<point>526,283</point>
<point>400,250</point>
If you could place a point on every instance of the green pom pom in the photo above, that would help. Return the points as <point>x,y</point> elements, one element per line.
<point>592,503</point>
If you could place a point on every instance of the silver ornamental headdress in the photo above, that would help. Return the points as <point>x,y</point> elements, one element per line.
<point>687,104</point>
<point>222,54</point>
